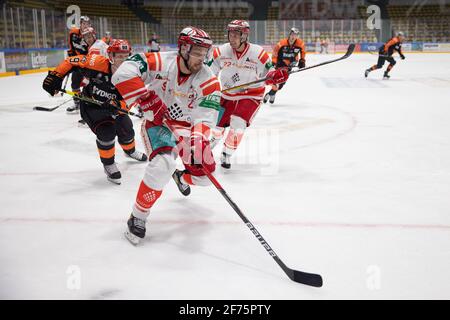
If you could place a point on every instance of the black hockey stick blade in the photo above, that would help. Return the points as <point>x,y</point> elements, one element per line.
<point>310,279</point>
<point>349,52</point>
<point>43,108</point>
<point>38,108</point>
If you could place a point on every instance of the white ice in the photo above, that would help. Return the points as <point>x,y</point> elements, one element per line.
<point>354,185</point>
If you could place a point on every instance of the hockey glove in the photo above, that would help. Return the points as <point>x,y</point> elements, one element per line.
<point>52,83</point>
<point>402,56</point>
<point>152,107</point>
<point>277,76</point>
<point>301,63</point>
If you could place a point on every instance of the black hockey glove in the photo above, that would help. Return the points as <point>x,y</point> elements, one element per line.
<point>402,56</point>
<point>301,63</point>
<point>52,83</point>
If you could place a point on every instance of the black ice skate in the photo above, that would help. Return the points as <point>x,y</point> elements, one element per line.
<point>225,160</point>
<point>269,97</point>
<point>386,76</point>
<point>82,123</point>
<point>137,155</point>
<point>272,99</point>
<point>185,189</point>
<point>366,73</point>
<point>136,230</point>
<point>112,173</point>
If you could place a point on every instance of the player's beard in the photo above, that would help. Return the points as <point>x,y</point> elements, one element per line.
<point>195,66</point>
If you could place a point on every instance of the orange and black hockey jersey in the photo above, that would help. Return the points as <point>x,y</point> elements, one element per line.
<point>97,70</point>
<point>284,54</point>
<point>389,47</point>
<point>77,45</point>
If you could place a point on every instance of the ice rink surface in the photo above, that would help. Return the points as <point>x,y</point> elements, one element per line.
<point>344,176</point>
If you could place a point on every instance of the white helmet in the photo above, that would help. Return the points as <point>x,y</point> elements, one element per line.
<point>294,30</point>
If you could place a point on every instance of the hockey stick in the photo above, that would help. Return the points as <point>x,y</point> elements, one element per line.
<point>51,109</point>
<point>92,101</point>
<point>349,52</point>
<point>65,84</point>
<point>378,54</point>
<point>309,279</point>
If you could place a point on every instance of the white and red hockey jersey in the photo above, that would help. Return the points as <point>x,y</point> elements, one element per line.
<point>235,68</point>
<point>193,99</point>
<point>99,47</point>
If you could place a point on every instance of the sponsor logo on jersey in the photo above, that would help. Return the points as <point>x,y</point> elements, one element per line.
<point>141,63</point>
<point>211,101</point>
<point>92,60</point>
<point>235,77</point>
<point>103,94</point>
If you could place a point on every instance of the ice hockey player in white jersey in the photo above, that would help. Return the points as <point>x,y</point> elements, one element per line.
<point>99,47</point>
<point>180,98</point>
<point>239,62</point>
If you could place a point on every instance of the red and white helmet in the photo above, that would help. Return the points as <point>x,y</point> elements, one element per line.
<point>194,36</point>
<point>239,25</point>
<point>242,26</point>
<point>191,36</point>
<point>119,46</point>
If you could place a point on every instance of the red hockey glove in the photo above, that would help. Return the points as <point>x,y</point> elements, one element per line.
<point>277,76</point>
<point>152,107</point>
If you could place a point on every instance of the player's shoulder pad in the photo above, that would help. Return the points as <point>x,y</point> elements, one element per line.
<point>255,47</point>
<point>260,52</point>
<point>206,81</point>
<point>283,42</point>
<point>137,61</point>
<point>156,61</point>
<point>225,49</point>
<point>75,30</point>
<point>299,42</point>
<point>217,52</point>
<point>96,62</point>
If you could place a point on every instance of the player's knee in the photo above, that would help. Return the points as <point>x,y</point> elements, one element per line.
<point>105,133</point>
<point>238,124</point>
<point>126,137</point>
<point>217,132</point>
<point>159,170</point>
